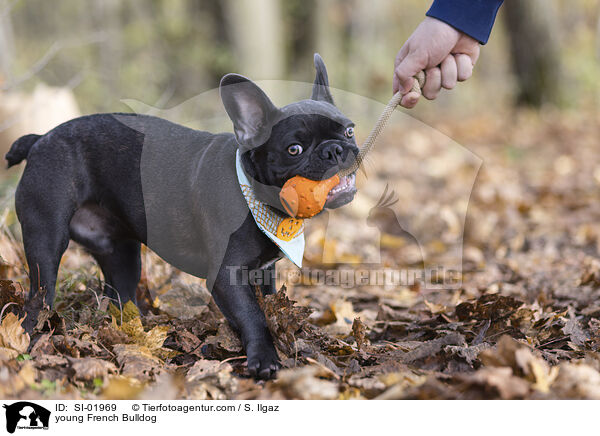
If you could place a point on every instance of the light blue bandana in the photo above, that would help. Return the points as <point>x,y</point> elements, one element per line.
<point>287,233</point>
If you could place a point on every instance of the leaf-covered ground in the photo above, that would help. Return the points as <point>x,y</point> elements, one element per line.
<point>524,323</point>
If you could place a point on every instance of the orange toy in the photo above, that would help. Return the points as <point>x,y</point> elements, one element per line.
<point>304,198</point>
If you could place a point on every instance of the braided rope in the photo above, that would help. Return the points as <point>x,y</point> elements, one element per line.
<point>380,124</point>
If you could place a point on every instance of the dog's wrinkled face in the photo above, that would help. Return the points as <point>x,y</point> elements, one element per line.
<point>309,138</point>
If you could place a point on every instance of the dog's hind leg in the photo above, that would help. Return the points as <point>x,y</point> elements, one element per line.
<point>106,238</point>
<point>122,269</point>
<point>43,250</point>
<point>45,227</point>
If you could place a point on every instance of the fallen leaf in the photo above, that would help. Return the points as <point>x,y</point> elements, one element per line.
<point>151,341</point>
<point>500,379</point>
<point>13,339</point>
<point>137,361</point>
<point>122,388</point>
<point>359,333</point>
<point>89,368</point>
<point>210,379</point>
<point>574,330</point>
<point>305,383</point>
<point>129,312</point>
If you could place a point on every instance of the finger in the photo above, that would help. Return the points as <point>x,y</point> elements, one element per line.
<point>433,84</point>
<point>409,66</point>
<point>401,55</point>
<point>410,100</point>
<point>464,67</point>
<point>399,58</point>
<point>449,73</point>
<point>469,46</point>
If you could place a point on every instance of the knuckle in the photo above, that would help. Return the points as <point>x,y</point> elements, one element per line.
<point>420,58</point>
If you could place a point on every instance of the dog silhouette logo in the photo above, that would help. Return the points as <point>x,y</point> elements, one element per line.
<point>385,219</point>
<point>26,415</point>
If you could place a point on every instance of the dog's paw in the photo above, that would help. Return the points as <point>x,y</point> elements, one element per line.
<point>263,362</point>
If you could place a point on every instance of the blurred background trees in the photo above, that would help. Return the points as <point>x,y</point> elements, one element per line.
<point>163,52</point>
<point>537,66</point>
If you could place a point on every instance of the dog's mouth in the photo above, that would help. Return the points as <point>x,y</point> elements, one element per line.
<point>342,193</point>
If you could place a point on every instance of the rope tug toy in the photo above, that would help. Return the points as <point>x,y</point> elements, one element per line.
<point>304,198</point>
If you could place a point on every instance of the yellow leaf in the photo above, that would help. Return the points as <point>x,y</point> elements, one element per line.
<point>156,337</point>
<point>151,341</point>
<point>344,314</point>
<point>130,311</point>
<point>134,329</point>
<point>544,377</point>
<point>12,335</point>
<point>114,312</point>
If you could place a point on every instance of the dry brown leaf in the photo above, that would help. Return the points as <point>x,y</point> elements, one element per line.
<point>137,361</point>
<point>9,293</point>
<point>110,335</point>
<point>502,380</point>
<point>574,330</point>
<point>435,308</point>
<point>89,368</point>
<point>306,383</point>
<point>285,319</point>
<point>359,332</point>
<point>13,339</point>
<point>210,379</point>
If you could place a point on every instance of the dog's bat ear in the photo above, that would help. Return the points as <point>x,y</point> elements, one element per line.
<point>251,111</point>
<point>321,86</point>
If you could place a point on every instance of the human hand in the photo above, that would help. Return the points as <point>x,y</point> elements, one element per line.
<point>445,54</point>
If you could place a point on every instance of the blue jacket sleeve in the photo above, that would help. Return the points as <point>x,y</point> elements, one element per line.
<point>473,17</point>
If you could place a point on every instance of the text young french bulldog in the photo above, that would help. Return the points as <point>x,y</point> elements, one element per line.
<point>207,203</point>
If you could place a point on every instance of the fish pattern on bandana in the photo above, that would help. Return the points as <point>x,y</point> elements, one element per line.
<point>286,232</point>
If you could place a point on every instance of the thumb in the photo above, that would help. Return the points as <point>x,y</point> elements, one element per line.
<point>414,62</point>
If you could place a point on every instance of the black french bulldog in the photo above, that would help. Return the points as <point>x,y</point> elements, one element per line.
<point>114,181</point>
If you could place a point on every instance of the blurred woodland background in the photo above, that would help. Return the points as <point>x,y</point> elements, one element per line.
<point>524,323</point>
<point>164,52</point>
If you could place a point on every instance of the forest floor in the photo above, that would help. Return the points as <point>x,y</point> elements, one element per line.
<point>524,323</point>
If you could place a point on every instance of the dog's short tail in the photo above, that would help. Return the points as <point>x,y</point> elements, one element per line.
<point>20,149</point>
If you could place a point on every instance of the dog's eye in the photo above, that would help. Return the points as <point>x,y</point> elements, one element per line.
<point>349,133</point>
<point>295,149</point>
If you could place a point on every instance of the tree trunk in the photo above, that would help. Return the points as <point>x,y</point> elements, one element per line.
<point>598,38</point>
<point>532,33</point>
<point>257,33</point>
<point>107,18</point>
<point>331,29</point>
<point>7,48</point>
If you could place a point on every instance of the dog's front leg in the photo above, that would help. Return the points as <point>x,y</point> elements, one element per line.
<point>237,300</point>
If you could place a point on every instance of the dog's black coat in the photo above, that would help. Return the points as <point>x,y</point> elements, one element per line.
<point>114,181</point>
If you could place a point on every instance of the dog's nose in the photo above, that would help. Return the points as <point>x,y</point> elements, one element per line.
<point>332,151</point>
